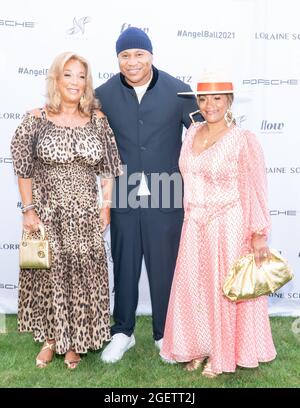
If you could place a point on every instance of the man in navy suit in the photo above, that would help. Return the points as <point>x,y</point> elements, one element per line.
<point>147,117</point>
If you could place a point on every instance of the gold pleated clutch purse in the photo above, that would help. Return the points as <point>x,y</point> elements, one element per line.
<point>35,253</point>
<point>247,281</point>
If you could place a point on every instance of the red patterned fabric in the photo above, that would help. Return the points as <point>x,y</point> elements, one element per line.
<point>225,202</point>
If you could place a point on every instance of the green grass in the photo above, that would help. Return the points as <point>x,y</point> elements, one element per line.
<point>141,366</point>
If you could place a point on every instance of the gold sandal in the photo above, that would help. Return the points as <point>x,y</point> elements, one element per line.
<point>193,364</point>
<point>208,371</point>
<point>43,363</point>
<point>72,364</point>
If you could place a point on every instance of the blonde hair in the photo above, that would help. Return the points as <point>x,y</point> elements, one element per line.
<point>230,98</point>
<point>87,103</point>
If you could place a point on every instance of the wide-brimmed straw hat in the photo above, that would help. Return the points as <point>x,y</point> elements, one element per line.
<point>212,82</point>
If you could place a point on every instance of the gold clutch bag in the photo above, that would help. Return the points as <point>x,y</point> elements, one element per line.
<point>247,281</point>
<point>35,253</point>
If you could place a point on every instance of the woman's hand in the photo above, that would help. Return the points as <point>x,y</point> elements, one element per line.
<point>31,221</point>
<point>104,218</point>
<point>260,249</point>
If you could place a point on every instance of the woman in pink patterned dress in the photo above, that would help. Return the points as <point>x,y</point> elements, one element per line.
<point>226,215</point>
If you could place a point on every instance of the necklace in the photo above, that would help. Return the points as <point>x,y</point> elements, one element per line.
<point>204,141</point>
<point>210,139</point>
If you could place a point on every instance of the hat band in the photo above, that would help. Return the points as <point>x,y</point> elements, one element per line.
<point>214,86</point>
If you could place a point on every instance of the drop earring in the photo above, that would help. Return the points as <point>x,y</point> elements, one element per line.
<point>228,117</point>
<point>192,114</point>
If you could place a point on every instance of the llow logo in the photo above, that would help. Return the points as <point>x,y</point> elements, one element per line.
<point>272,127</point>
<point>78,25</point>
<point>127,25</point>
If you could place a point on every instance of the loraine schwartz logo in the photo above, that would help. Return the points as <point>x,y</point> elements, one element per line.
<point>11,115</point>
<point>9,246</point>
<point>283,170</point>
<point>276,36</point>
<point>78,25</point>
<point>105,75</point>
<point>279,295</point>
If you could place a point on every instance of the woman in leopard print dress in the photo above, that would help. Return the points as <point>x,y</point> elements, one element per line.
<point>57,152</point>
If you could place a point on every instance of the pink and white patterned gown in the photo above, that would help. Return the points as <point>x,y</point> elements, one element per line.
<point>225,201</point>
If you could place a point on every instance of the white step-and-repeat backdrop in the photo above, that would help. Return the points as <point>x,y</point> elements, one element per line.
<point>258,41</point>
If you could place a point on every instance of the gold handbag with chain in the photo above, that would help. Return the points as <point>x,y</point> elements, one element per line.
<point>246,280</point>
<point>35,253</point>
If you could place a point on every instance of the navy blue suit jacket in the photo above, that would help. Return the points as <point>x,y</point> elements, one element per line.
<point>148,134</point>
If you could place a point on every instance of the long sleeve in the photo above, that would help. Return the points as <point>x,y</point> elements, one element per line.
<point>23,146</point>
<point>110,164</point>
<point>253,187</point>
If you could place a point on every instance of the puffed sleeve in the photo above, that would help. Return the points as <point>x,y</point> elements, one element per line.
<point>110,164</point>
<point>23,146</point>
<point>253,187</point>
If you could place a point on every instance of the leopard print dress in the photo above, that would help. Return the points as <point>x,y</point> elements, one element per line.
<point>70,301</point>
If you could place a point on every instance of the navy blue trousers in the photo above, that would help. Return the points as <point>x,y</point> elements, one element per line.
<point>154,234</point>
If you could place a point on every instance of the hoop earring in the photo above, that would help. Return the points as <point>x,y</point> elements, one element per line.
<point>228,117</point>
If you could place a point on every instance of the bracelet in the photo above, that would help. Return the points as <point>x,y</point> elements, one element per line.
<point>28,207</point>
<point>109,202</point>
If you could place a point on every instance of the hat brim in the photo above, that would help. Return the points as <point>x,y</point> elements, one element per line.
<point>196,93</point>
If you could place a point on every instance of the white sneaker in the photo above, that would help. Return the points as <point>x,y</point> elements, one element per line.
<point>158,344</point>
<point>118,345</point>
